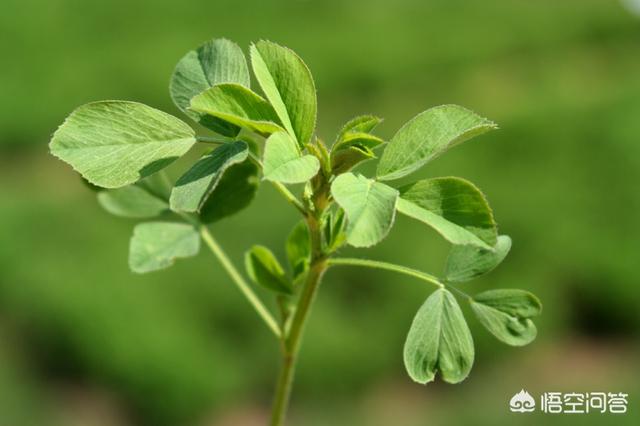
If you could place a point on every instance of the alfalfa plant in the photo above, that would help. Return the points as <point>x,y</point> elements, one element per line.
<point>123,146</point>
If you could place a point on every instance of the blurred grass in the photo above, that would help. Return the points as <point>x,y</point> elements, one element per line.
<point>561,78</point>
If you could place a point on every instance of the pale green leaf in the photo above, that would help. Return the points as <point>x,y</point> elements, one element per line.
<point>352,149</point>
<point>156,245</point>
<point>357,139</point>
<point>234,192</point>
<point>298,248</point>
<point>452,206</point>
<point>264,269</point>
<point>194,187</point>
<point>115,143</point>
<point>467,262</point>
<point>283,161</point>
<point>132,201</point>
<point>238,105</point>
<point>439,340</point>
<point>369,206</point>
<point>362,123</point>
<point>428,135</point>
<point>506,314</point>
<point>216,61</point>
<point>288,85</point>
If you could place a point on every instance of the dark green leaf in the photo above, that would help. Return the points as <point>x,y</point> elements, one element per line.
<point>439,340</point>
<point>264,269</point>
<point>298,249</point>
<point>467,262</point>
<point>287,83</point>
<point>428,135</point>
<point>506,314</point>
<point>234,192</point>
<point>194,187</point>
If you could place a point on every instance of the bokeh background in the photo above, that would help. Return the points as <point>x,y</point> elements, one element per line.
<point>85,342</point>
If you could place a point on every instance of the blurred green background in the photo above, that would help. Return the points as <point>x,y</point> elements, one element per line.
<point>85,342</point>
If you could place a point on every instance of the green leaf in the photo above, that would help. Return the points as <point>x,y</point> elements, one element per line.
<point>439,340</point>
<point>506,314</point>
<point>334,235</point>
<point>362,139</point>
<point>428,135</point>
<point>283,162</point>
<point>369,206</point>
<point>298,247</point>
<point>468,262</point>
<point>362,123</point>
<point>194,187</point>
<point>132,201</point>
<point>115,143</point>
<point>454,207</point>
<point>237,105</point>
<point>287,83</point>
<point>156,245</point>
<point>353,148</point>
<point>264,269</point>
<point>216,61</point>
<point>234,192</point>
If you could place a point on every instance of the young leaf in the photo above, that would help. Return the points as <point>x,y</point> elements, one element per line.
<point>264,269</point>
<point>467,262</point>
<point>237,105</point>
<point>115,143</point>
<point>439,339</point>
<point>428,135</point>
<point>216,61</point>
<point>351,149</point>
<point>369,205</point>
<point>334,235</point>
<point>287,83</point>
<point>506,314</point>
<point>454,207</point>
<point>132,201</point>
<point>194,187</point>
<point>284,163</point>
<point>234,192</point>
<point>155,245</point>
<point>298,249</point>
<point>362,123</point>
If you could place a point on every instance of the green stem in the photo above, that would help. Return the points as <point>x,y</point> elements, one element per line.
<point>291,342</point>
<point>217,140</point>
<point>239,281</point>
<point>387,266</point>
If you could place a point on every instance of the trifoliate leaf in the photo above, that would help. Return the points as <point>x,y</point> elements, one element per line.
<point>237,105</point>
<point>216,61</point>
<point>287,83</point>
<point>467,262</point>
<point>194,187</point>
<point>264,269</point>
<point>428,135</point>
<point>234,192</point>
<point>298,247</point>
<point>283,162</point>
<point>454,207</point>
<point>156,245</point>
<point>506,314</point>
<point>369,206</point>
<point>132,201</point>
<point>115,143</point>
<point>439,340</point>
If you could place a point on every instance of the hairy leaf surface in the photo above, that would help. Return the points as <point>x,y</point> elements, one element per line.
<point>428,135</point>
<point>116,143</point>
<point>156,245</point>
<point>369,206</point>
<point>439,340</point>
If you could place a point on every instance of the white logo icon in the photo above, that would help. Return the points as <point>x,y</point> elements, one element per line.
<point>522,402</point>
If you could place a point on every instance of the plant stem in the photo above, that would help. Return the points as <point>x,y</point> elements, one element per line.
<point>217,140</point>
<point>239,281</point>
<point>291,342</point>
<point>387,266</point>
